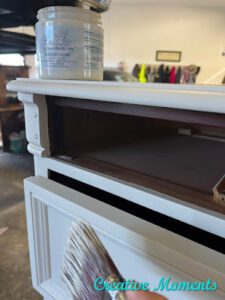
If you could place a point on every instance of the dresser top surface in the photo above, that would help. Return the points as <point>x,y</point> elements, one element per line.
<point>206,98</point>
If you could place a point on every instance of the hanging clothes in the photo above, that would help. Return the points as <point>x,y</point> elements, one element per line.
<point>136,70</point>
<point>166,74</point>
<point>152,76</point>
<point>142,74</point>
<point>160,74</point>
<point>185,75</point>
<point>198,70</point>
<point>148,73</point>
<point>156,78</point>
<point>173,75</point>
<point>223,82</point>
<point>178,75</point>
<point>166,78</point>
<point>194,70</point>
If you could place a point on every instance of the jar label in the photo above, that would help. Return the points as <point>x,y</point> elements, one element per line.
<point>58,47</point>
<point>93,43</point>
<point>69,48</point>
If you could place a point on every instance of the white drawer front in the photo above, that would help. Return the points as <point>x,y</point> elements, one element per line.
<point>140,249</point>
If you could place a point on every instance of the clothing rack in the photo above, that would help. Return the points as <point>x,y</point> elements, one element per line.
<point>162,73</point>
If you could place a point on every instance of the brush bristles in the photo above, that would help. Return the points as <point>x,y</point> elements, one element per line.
<point>85,260</point>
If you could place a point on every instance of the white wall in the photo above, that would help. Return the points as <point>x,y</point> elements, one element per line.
<point>134,31</point>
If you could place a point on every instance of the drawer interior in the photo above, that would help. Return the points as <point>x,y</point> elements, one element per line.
<point>179,155</point>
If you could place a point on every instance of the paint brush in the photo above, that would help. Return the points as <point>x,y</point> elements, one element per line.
<point>85,260</point>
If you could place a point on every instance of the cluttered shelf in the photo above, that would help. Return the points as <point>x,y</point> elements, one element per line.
<point>12,127</point>
<point>11,108</point>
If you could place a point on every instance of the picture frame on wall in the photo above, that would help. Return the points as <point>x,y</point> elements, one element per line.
<point>168,56</point>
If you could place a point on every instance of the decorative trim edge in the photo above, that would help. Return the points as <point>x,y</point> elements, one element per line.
<point>36,120</point>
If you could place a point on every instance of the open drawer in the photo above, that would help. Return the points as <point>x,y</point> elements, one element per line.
<point>140,249</point>
<point>178,153</point>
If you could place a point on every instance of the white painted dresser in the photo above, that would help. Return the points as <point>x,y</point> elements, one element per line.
<point>150,232</point>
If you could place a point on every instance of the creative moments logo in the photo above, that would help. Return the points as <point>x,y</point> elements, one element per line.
<point>164,284</point>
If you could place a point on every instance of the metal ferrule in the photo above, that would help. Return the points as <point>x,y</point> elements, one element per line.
<point>115,295</point>
<point>98,5</point>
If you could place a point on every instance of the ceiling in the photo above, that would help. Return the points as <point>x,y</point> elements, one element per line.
<point>15,13</point>
<point>12,42</point>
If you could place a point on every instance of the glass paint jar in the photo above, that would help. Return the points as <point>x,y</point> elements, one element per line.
<point>69,43</point>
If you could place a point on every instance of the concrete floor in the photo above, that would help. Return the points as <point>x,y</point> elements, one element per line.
<point>15,278</point>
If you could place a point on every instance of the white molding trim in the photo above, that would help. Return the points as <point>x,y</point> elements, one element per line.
<point>206,98</point>
<point>39,248</point>
<point>41,239</point>
<point>36,120</point>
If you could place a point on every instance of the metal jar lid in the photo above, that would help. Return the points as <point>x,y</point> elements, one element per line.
<point>97,5</point>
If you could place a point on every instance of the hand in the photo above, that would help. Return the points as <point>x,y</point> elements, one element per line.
<point>141,295</point>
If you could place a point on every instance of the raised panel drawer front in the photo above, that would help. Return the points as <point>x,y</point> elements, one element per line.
<point>141,250</point>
